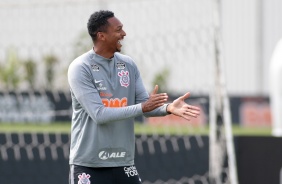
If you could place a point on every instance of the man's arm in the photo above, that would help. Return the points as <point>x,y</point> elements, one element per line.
<point>178,107</point>
<point>82,87</point>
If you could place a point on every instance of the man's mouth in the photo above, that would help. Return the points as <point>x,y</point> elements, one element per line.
<point>119,42</point>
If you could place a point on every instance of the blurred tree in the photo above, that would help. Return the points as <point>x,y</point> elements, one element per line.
<point>9,71</point>
<point>50,61</point>
<point>30,71</point>
<point>160,79</point>
<point>82,44</point>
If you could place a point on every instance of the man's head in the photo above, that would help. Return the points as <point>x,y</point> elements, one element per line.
<point>98,22</point>
<point>105,29</point>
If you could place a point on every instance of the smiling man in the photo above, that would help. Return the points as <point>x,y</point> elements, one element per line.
<point>107,94</point>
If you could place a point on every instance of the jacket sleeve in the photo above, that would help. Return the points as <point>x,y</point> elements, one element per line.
<point>85,93</point>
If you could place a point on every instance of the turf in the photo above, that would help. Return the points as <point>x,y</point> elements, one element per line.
<point>64,127</point>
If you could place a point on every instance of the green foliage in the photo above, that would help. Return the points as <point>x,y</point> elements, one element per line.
<point>161,80</point>
<point>50,61</point>
<point>9,71</point>
<point>30,71</point>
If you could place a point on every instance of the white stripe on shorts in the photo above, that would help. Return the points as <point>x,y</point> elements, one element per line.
<point>71,174</point>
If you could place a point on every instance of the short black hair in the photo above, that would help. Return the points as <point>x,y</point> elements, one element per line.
<point>98,22</point>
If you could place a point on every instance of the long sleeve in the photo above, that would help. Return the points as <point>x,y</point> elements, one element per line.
<point>87,96</point>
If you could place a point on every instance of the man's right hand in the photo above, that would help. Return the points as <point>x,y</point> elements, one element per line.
<point>155,100</point>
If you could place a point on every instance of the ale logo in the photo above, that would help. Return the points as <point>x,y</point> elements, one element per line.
<point>112,154</point>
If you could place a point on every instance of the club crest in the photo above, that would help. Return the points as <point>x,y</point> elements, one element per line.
<point>84,178</point>
<point>124,78</point>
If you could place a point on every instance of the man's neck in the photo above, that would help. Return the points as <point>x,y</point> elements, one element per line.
<point>103,52</point>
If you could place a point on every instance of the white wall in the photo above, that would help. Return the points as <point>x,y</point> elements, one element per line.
<point>271,34</point>
<point>251,30</point>
<point>169,37</point>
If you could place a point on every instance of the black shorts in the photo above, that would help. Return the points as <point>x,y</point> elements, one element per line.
<point>103,175</point>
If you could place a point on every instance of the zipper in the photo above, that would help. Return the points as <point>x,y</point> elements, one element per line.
<point>109,65</point>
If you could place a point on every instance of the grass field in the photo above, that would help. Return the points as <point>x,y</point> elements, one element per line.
<point>64,127</point>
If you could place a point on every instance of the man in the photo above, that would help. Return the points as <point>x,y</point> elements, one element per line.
<point>107,93</point>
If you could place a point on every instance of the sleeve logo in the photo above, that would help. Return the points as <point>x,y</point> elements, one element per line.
<point>124,78</point>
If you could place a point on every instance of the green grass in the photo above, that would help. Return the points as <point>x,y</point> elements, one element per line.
<point>251,131</point>
<point>64,127</point>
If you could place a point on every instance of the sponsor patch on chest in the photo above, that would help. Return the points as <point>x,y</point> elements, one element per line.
<point>114,102</point>
<point>99,84</point>
<point>120,66</point>
<point>95,68</point>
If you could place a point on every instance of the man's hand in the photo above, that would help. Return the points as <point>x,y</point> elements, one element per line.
<point>155,100</point>
<point>179,108</point>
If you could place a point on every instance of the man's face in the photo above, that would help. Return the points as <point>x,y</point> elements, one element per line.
<point>114,34</point>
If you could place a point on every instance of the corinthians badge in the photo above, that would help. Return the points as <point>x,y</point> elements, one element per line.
<point>124,78</point>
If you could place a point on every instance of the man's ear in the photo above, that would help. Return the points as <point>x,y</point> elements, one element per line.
<point>101,36</point>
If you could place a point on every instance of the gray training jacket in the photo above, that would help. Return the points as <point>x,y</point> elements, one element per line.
<point>106,96</point>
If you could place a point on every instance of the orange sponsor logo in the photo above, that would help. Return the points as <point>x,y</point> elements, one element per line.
<point>115,102</point>
<point>106,94</point>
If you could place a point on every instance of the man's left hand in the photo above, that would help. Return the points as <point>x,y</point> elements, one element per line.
<point>179,108</point>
